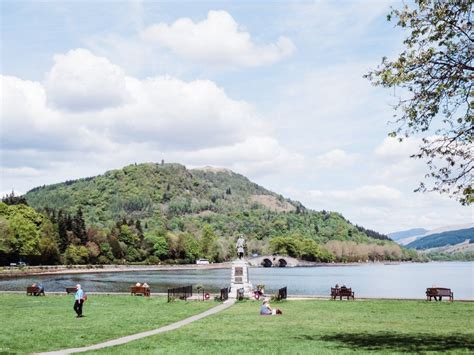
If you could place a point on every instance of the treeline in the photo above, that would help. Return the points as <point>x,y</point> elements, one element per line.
<point>440,256</point>
<point>372,233</point>
<point>63,238</point>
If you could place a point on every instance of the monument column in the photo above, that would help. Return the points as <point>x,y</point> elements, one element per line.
<point>240,278</point>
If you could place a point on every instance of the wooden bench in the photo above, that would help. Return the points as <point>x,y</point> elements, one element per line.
<point>439,292</point>
<point>34,291</point>
<point>341,292</point>
<point>140,290</point>
<point>71,290</point>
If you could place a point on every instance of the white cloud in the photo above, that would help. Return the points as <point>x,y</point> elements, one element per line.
<point>192,122</point>
<point>394,150</point>
<point>336,106</point>
<point>385,208</point>
<point>257,155</point>
<point>217,40</point>
<point>361,195</point>
<point>394,163</point>
<point>164,111</point>
<point>81,81</point>
<point>20,171</point>
<point>336,158</point>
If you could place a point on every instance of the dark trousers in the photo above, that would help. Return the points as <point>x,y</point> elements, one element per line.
<point>78,307</point>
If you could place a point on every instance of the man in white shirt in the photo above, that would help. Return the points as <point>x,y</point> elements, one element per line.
<point>79,300</point>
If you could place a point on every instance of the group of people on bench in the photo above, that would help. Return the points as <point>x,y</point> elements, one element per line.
<point>38,288</point>
<point>138,284</point>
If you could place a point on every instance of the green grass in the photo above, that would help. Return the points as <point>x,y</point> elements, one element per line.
<point>31,324</point>
<point>321,327</point>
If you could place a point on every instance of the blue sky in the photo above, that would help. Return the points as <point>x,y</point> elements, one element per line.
<point>272,90</point>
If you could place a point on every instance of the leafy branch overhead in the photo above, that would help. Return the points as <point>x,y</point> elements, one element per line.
<point>435,73</point>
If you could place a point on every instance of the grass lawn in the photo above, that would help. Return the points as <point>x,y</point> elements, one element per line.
<point>31,324</point>
<point>315,327</point>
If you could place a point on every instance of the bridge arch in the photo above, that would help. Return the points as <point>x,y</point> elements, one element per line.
<point>267,262</point>
<point>282,262</point>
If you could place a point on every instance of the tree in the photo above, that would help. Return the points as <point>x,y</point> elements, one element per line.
<point>76,255</point>
<point>14,200</point>
<point>158,244</point>
<point>79,227</point>
<point>285,246</point>
<point>208,243</point>
<point>435,72</point>
<point>62,231</point>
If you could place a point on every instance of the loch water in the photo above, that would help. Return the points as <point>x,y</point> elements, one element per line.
<point>404,280</point>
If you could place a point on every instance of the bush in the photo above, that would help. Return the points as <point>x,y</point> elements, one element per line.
<point>153,260</point>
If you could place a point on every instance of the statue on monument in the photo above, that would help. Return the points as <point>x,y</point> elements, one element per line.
<point>240,246</point>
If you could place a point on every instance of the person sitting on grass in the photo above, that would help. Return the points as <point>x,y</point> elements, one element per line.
<point>267,310</point>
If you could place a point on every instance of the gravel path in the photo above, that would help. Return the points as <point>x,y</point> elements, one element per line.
<point>129,338</point>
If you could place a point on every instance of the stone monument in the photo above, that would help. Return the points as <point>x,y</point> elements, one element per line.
<point>240,280</point>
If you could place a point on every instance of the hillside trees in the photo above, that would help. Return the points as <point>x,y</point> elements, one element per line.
<point>26,234</point>
<point>299,247</point>
<point>123,217</point>
<point>209,248</point>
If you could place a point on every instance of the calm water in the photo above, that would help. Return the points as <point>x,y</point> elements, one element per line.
<point>373,280</point>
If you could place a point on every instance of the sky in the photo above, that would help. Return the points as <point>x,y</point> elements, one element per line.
<point>272,90</point>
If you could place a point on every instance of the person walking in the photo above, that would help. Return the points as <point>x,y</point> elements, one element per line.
<point>78,300</point>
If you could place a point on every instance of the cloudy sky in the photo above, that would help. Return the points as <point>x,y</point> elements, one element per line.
<point>271,90</point>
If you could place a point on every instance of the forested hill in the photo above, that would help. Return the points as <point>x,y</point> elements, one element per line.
<point>141,191</point>
<point>167,212</point>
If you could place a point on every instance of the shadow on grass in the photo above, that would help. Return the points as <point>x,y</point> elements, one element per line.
<point>403,342</point>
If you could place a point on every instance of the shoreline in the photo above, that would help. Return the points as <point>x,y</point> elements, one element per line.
<point>11,272</point>
<point>84,269</point>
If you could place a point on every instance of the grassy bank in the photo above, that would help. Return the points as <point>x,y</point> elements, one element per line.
<point>312,327</point>
<point>32,324</point>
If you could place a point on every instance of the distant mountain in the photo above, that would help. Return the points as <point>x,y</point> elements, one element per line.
<point>443,239</point>
<point>414,236</point>
<point>452,227</point>
<point>407,233</point>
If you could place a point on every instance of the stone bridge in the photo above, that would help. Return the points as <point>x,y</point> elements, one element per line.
<point>273,261</point>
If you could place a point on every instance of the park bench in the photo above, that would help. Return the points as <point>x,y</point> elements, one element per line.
<point>34,291</point>
<point>341,292</point>
<point>71,290</point>
<point>282,294</point>
<point>140,290</point>
<point>439,292</point>
<point>224,294</point>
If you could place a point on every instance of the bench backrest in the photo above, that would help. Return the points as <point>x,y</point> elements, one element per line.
<point>33,289</point>
<point>438,291</point>
<point>344,291</point>
<point>140,289</point>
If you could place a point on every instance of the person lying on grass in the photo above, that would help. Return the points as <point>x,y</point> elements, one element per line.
<point>267,310</point>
